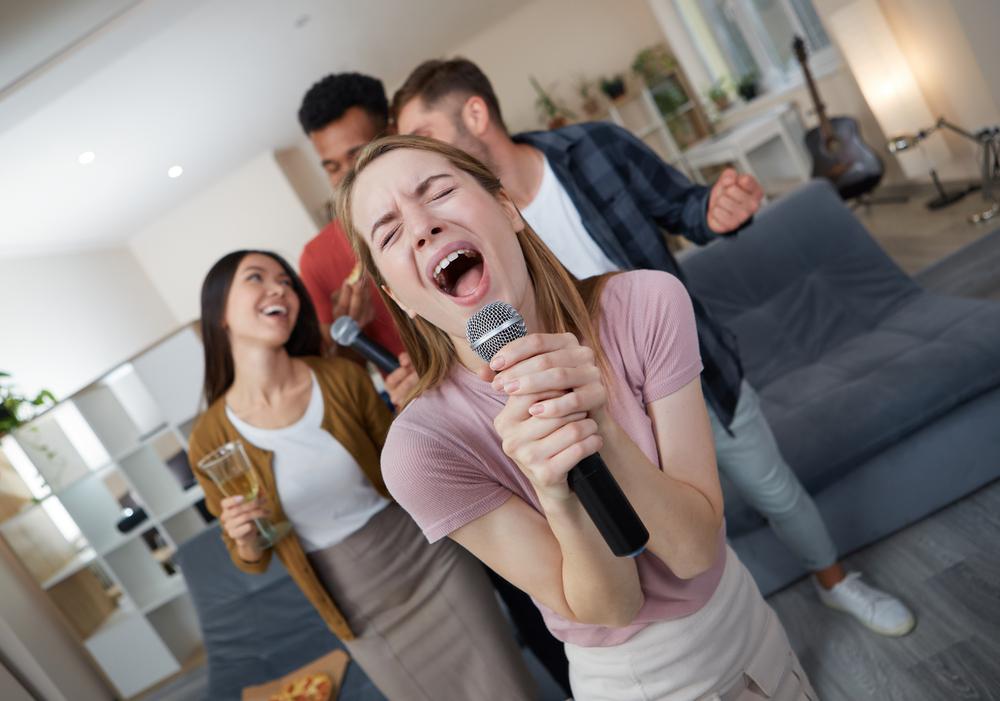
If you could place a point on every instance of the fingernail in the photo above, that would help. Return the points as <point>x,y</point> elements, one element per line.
<point>497,362</point>
<point>239,499</point>
<point>536,409</point>
<point>511,387</point>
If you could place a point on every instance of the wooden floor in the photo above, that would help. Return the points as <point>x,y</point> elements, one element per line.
<point>947,568</point>
<point>915,236</point>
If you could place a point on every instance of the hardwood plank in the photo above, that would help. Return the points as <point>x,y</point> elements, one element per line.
<point>963,671</point>
<point>947,567</point>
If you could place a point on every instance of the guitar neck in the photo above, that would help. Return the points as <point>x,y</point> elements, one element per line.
<point>824,122</point>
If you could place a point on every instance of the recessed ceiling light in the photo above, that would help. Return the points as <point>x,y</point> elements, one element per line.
<point>175,172</point>
<point>86,158</point>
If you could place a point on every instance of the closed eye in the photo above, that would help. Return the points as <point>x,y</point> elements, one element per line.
<point>443,193</point>
<point>388,237</point>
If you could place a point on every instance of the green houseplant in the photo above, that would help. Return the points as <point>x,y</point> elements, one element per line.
<point>16,408</point>
<point>553,114</point>
<point>748,86</point>
<point>654,64</point>
<point>613,87</point>
<point>719,94</point>
<point>589,101</point>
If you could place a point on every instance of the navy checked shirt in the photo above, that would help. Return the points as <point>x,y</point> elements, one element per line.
<point>627,198</point>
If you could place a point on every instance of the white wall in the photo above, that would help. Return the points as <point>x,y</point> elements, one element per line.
<point>73,317</point>
<point>980,21</point>
<point>556,41</point>
<point>940,54</point>
<point>253,207</point>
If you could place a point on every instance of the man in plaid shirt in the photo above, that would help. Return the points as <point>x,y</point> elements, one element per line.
<point>601,199</point>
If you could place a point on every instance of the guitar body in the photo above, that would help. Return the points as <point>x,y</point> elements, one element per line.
<point>844,158</point>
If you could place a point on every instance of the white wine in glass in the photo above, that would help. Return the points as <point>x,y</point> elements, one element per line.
<point>229,468</point>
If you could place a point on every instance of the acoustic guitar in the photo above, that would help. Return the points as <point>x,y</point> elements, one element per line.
<point>837,150</point>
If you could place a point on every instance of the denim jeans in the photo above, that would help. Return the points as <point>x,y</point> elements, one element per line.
<point>751,460</point>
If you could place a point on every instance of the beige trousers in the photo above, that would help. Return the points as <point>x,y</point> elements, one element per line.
<point>427,621</point>
<point>732,649</point>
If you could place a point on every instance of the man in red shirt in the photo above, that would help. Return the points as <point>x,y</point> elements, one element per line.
<point>341,114</point>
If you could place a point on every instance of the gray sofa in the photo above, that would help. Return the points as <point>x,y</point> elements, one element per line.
<point>884,398</point>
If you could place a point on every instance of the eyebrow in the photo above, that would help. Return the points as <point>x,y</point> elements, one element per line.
<point>419,191</point>
<point>258,269</point>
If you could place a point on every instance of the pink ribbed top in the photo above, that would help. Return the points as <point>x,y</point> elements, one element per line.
<point>444,464</point>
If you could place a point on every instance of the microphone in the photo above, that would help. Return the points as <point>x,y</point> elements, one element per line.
<point>346,332</point>
<point>492,328</point>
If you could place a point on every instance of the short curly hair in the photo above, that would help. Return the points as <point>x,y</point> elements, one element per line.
<point>327,100</point>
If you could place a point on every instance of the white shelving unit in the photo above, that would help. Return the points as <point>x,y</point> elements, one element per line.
<point>638,113</point>
<point>120,440</point>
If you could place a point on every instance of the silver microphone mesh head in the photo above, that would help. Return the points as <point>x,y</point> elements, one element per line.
<point>345,330</point>
<point>493,327</point>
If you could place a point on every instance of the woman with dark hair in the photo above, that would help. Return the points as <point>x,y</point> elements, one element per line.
<point>420,619</point>
<point>481,455</point>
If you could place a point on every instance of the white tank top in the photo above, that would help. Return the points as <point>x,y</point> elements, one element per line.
<point>323,491</point>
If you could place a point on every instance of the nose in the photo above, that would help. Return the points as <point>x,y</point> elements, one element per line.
<point>275,289</point>
<point>424,229</point>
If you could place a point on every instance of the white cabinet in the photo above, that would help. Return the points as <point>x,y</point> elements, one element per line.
<point>120,441</point>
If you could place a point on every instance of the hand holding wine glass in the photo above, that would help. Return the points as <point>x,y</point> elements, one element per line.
<point>244,517</point>
<point>238,519</point>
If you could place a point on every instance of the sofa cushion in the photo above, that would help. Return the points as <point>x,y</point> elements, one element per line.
<point>876,387</point>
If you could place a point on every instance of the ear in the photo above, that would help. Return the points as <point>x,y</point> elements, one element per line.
<point>476,116</point>
<point>406,310</point>
<point>510,209</point>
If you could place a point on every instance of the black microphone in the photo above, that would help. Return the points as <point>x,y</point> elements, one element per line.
<point>346,332</point>
<point>492,328</point>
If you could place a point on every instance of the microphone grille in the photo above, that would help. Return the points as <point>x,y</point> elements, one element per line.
<point>493,327</point>
<point>345,330</point>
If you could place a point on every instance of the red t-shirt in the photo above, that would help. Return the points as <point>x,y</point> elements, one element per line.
<point>326,261</point>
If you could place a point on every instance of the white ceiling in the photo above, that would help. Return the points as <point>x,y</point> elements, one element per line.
<point>149,84</point>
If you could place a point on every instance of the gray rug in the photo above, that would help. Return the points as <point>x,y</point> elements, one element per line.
<point>971,271</point>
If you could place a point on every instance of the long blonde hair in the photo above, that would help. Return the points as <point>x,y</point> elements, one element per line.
<point>563,303</point>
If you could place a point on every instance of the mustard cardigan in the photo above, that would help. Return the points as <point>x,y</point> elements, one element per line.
<point>355,415</point>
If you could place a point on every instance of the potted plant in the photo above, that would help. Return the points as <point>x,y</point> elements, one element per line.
<point>549,111</point>
<point>16,408</point>
<point>748,86</point>
<point>654,64</point>
<point>589,101</point>
<point>719,95</point>
<point>613,87</point>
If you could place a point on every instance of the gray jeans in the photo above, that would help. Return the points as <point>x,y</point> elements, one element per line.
<point>750,458</point>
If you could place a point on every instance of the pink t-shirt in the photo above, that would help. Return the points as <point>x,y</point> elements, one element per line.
<point>444,464</point>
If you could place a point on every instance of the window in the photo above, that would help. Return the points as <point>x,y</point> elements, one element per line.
<point>737,37</point>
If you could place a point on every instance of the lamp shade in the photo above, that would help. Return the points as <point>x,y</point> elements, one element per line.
<point>882,72</point>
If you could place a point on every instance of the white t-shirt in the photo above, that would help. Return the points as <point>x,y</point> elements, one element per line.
<point>555,219</point>
<point>323,491</point>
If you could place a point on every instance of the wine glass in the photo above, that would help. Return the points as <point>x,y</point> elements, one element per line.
<point>229,468</point>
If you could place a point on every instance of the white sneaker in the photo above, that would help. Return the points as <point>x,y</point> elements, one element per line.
<point>877,610</point>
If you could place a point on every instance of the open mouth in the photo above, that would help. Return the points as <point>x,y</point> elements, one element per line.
<point>459,273</point>
<point>275,310</point>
